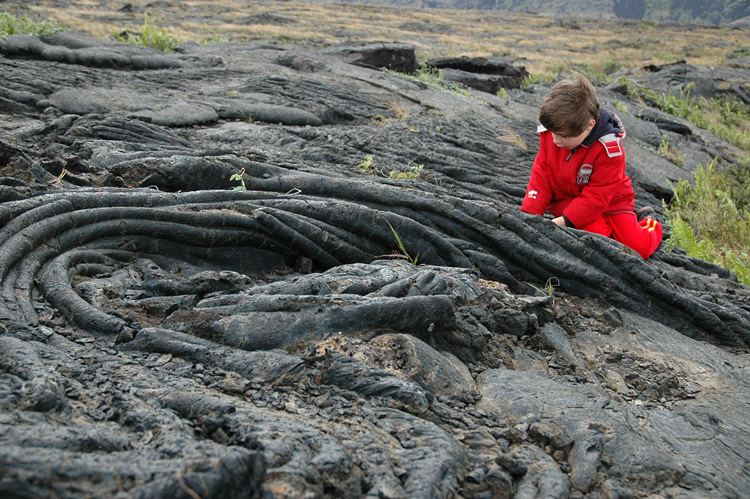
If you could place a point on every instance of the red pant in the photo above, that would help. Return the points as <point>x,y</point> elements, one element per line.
<point>644,236</point>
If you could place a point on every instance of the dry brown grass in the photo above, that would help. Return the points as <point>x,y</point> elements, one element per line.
<point>543,43</point>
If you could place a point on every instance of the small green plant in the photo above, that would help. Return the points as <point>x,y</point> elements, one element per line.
<point>404,254</point>
<point>619,106</point>
<point>367,166</point>
<point>238,177</point>
<point>630,85</point>
<point>663,148</point>
<point>707,223</point>
<point>740,52</point>
<point>534,78</point>
<point>644,145</point>
<point>557,68</point>
<point>457,89</point>
<point>433,78</point>
<point>611,66</point>
<point>285,39</point>
<point>14,25</point>
<point>213,37</point>
<point>529,79</point>
<point>502,93</point>
<point>669,152</point>
<point>596,77</point>
<point>549,286</point>
<point>149,36</point>
<point>380,120</point>
<point>410,173</point>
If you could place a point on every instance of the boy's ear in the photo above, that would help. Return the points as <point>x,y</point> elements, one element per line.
<point>592,124</point>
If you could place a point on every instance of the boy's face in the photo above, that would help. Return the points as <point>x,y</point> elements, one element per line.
<point>567,141</point>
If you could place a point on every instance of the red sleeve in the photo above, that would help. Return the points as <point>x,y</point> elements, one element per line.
<point>606,181</point>
<point>539,192</point>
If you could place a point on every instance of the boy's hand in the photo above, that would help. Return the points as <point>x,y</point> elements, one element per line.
<point>559,221</point>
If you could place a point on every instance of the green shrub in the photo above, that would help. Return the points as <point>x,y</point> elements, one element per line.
<point>739,174</point>
<point>149,36</point>
<point>14,25</point>
<point>706,222</point>
<point>725,116</point>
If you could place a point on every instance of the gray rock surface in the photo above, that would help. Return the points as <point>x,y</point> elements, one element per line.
<point>332,330</point>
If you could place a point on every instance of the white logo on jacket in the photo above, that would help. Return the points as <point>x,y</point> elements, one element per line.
<point>584,174</point>
<point>533,193</point>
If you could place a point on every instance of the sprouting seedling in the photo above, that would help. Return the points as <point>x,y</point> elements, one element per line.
<point>404,254</point>
<point>237,177</point>
<point>549,286</point>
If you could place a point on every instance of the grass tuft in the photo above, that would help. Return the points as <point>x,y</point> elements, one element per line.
<point>404,254</point>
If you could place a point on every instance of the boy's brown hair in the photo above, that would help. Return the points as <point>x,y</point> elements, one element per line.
<point>569,106</point>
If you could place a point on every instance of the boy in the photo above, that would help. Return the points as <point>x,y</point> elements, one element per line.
<point>579,172</point>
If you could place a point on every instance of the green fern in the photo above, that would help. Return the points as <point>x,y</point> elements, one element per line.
<point>683,236</point>
<point>740,265</point>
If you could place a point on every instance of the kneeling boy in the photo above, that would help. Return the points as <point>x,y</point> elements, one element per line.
<point>579,172</point>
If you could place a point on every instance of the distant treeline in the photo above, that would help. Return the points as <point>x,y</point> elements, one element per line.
<point>718,12</point>
<point>690,11</point>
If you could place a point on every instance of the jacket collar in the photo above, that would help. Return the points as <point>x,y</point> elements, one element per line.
<point>607,123</point>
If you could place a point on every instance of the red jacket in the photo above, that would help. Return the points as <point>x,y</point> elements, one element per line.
<point>584,183</point>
